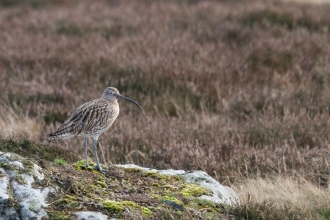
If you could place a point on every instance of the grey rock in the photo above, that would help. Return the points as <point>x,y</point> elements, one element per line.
<point>89,216</point>
<point>221,194</point>
<point>175,205</point>
<point>7,210</point>
<point>16,188</point>
<point>164,172</point>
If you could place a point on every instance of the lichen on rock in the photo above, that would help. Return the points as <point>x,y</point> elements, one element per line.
<point>17,190</point>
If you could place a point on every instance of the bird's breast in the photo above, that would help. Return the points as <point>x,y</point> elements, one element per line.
<point>113,109</point>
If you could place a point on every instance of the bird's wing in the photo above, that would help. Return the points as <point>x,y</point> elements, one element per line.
<point>85,118</point>
<point>96,117</point>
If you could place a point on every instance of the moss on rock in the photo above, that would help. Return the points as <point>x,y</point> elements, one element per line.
<point>20,179</point>
<point>120,206</point>
<point>171,198</point>
<point>146,211</point>
<point>56,215</point>
<point>193,190</point>
<point>81,165</point>
<point>117,206</point>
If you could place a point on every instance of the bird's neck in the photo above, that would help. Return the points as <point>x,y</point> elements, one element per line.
<point>108,99</point>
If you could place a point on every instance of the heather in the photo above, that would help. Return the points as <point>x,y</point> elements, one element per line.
<point>239,89</point>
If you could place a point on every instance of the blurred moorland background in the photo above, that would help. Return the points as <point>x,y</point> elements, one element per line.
<point>239,89</point>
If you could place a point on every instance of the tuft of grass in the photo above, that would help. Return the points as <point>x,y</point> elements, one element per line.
<point>60,162</point>
<point>281,198</point>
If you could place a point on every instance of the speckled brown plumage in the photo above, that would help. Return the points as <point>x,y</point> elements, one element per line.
<point>92,119</point>
<point>89,120</point>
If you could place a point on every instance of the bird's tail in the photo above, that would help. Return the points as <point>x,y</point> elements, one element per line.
<point>52,136</point>
<point>63,132</point>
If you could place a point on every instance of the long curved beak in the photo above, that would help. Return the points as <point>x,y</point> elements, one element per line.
<point>128,99</point>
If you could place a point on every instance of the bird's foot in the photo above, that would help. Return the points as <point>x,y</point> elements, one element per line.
<point>98,168</point>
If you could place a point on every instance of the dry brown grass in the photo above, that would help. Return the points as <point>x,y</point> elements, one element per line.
<point>11,123</point>
<point>298,199</point>
<point>240,89</point>
<point>284,191</point>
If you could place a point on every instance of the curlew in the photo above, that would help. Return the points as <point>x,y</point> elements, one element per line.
<point>92,119</point>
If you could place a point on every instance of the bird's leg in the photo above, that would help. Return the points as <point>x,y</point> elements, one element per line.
<point>85,149</point>
<point>98,167</point>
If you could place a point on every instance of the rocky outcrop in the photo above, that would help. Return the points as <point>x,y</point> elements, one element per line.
<point>220,194</point>
<point>17,175</point>
<point>74,192</point>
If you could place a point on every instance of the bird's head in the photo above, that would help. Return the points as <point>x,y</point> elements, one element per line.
<point>112,94</point>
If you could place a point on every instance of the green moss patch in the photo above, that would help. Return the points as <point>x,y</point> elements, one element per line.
<point>56,215</point>
<point>81,165</point>
<point>193,190</point>
<point>171,198</point>
<point>61,162</point>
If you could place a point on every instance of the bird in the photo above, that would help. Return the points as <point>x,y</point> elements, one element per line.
<point>91,119</point>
